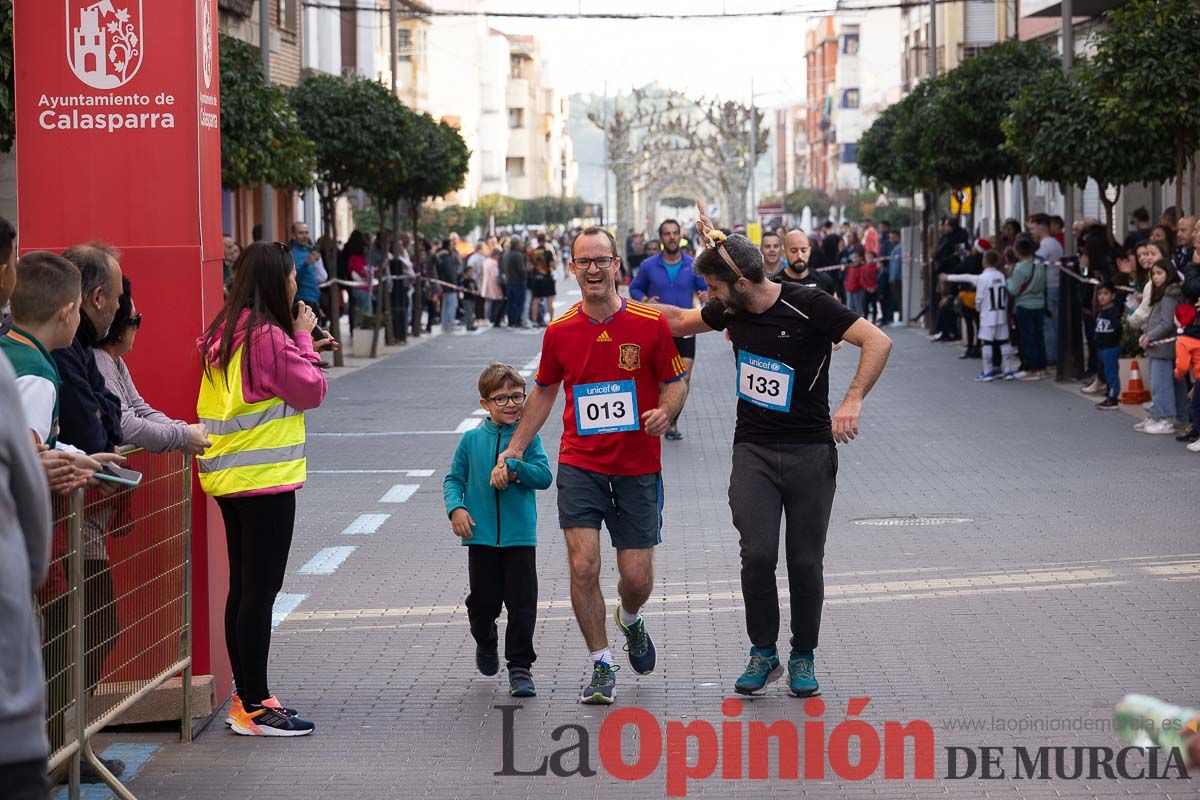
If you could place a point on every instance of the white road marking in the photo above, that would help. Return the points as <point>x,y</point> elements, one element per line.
<point>400,493</point>
<point>479,412</point>
<point>366,524</point>
<point>326,561</point>
<point>365,435</point>
<point>284,604</point>
<point>408,473</point>
<point>468,424</point>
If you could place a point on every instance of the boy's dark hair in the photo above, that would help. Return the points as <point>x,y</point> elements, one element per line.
<point>1057,220</point>
<point>497,376</point>
<point>1141,214</point>
<point>7,235</point>
<point>1040,219</point>
<point>745,255</point>
<point>1024,246</point>
<point>992,258</point>
<point>45,283</point>
<point>1107,286</point>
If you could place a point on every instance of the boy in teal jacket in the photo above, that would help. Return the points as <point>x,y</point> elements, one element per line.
<point>501,528</point>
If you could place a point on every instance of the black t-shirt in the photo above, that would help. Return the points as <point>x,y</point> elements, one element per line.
<point>799,331</point>
<point>813,280</point>
<point>1108,327</point>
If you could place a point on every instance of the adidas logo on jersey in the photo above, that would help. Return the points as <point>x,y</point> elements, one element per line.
<point>603,337</point>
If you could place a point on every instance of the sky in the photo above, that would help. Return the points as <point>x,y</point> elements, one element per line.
<point>708,57</point>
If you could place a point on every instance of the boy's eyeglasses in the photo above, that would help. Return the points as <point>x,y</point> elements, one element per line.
<point>508,399</point>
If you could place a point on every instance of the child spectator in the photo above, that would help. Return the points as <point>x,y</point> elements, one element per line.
<point>856,293</point>
<point>493,510</point>
<point>1108,343</point>
<point>1027,287</point>
<point>45,308</point>
<point>471,287</point>
<point>991,301</point>
<point>870,284</point>
<point>1169,395</point>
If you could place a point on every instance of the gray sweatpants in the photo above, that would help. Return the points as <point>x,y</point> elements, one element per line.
<point>767,483</point>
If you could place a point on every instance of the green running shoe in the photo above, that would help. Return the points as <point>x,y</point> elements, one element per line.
<point>602,691</point>
<point>802,676</point>
<point>763,668</point>
<point>639,645</point>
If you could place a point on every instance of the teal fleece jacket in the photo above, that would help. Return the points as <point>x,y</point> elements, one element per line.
<point>502,519</point>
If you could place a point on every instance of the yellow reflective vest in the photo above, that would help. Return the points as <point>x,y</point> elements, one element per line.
<point>254,445</point>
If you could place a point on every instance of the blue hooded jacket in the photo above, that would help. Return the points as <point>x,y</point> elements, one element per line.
<point>502,519</point>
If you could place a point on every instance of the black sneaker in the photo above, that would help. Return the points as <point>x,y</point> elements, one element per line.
<point>1108,404</point>
<point>88,773</point>
<point>487,661</point>
<point>520,683</point>
<point>1189,436</point>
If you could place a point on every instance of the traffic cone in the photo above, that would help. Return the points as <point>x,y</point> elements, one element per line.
<point>1136,393</point>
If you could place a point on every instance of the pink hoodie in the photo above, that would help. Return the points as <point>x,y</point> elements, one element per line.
<point>281,367</point>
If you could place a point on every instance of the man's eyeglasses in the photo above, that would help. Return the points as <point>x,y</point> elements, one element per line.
<point>603,262</point>
<point>135,321</point>
<point>508,399</point>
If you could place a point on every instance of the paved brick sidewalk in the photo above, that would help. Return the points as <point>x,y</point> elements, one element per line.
<point>1073,582</point>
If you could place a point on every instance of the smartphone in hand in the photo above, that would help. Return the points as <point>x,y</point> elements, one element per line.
<point>115,474</point>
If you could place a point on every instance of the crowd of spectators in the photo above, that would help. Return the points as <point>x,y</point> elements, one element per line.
<point>1130,299</point>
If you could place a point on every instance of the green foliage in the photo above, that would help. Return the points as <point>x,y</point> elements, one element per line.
<point>1145,67</point>
<point>969,104</point>
<point>8,122</point>
<point>358,127</point>
<point>896,151</point>
<point>817,201</point>
<point>895,216</point>
<point>261,138</point>
<point>1062,131</point>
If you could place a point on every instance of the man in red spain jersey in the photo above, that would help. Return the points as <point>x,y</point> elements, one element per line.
<point>622,377</point>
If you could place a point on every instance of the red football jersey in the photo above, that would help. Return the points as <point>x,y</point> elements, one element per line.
<point>611,362</point>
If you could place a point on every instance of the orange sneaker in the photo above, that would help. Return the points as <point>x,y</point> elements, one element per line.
<point>267,721</point>
<point>236,709</point>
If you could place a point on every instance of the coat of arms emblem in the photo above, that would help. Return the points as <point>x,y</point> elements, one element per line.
<point>630,357</point>
<point>104,41</point>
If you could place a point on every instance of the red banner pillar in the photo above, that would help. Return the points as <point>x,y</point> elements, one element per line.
<point>119,139</point>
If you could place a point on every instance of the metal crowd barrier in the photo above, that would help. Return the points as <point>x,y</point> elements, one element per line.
<point>116,607</point>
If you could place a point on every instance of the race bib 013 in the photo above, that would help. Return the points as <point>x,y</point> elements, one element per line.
<point>764,382</point>
<point>606,408</point>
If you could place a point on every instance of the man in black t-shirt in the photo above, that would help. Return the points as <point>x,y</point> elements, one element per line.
<point>784,452</point>
<point>799,252</point>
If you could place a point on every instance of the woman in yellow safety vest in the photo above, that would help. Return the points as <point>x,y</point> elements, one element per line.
<point>260,375</point>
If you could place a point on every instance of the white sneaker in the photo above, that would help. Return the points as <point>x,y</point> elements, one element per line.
<point>1194,447</point>
<point>1008,376</point>
<point>1141,426</point>
<point>1148,404</point>
<point>1019,374</point>
<point>1033,375</point>
<point>1160,427</point>
<point>1097,386</point>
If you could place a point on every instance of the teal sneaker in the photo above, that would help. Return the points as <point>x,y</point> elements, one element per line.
<point>763,668</point>
<point>802,676</point>
<point>602,690</point>
<point>639,645</point>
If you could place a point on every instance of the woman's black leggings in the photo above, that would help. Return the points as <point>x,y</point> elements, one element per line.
<point>258,534</point>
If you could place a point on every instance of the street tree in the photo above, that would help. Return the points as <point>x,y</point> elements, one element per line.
<point>8,120</point>
<point>352,121</point>
<point>817,201</point>
<point>261,137</point>
<point>1146,61</point>
<point>1061,131</point>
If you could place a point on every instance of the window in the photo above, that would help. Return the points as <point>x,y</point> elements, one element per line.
<point>516,118</point>
<point>850,44</point>
<point>289,15</point>
<point>850,98</point>
<point>404,44</point>
<point>849,153</point>
<point>515,167</point>
<point>516,67</point>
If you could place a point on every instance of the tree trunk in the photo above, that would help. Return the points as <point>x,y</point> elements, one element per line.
<point>999,216</point>
<point>1180,165</point>
<point>927,258</point>
<point>1024,197</point>
<point>1110,207</point>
